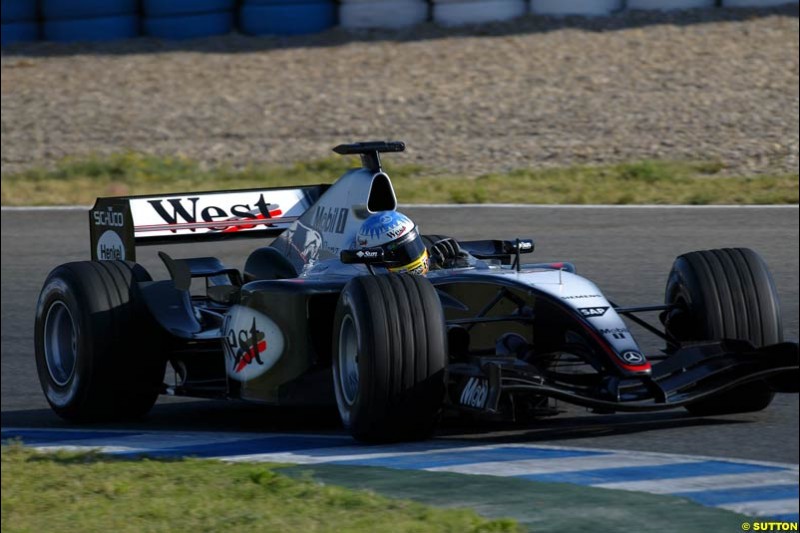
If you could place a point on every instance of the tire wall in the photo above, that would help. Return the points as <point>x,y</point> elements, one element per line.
<point>89,20</point>
<point>187,19</point>
<point>20,21</point>
<point>108,20</point>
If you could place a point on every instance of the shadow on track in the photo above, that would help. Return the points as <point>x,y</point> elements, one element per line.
<point>244,417</point>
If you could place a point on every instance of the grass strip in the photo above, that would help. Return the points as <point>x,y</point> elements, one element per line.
<point>90,492</point>
<point>81,180</point>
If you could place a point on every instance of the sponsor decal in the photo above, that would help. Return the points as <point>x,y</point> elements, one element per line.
<point>581,296</point>
<point>391,225</point>
<point>617,333</point>
<point>330,219</point>
<point>368,254</point>
<point>305,241</point>
<point>253,343</point>
<point>110,247</point>
<point>632,358</point>
<point>188,211</point>
<point>592,311</point>
<point>475,393</point>
<point>525,246</point>
<point>110,218</point>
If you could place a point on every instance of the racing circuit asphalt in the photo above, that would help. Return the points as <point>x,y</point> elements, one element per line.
<point>627,252</point>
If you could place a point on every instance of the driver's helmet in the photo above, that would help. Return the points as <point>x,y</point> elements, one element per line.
<point>397,235</point>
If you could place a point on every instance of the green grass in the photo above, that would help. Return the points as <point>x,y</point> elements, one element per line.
<point>89,492</point>
<point>81,180</point>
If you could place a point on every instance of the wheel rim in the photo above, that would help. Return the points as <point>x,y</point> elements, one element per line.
<point>60,343</point>
<point>348,360</point>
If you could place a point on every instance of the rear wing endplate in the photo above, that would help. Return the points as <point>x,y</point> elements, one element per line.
<point>117,225</point>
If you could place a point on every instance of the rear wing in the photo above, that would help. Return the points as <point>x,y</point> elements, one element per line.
<point>117,225</point>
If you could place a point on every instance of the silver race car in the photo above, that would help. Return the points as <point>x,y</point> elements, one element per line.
<point>351,305</point>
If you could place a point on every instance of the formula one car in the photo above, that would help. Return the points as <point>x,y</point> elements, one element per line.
<point>322,315</point>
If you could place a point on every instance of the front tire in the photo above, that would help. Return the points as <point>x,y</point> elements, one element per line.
<point>389,357</point>
<point>97,349</point>
<point>725,294</point>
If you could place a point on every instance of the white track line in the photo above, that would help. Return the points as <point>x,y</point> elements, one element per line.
<point>561,464</point>
<point>703,483</point>
<point>763,508</point>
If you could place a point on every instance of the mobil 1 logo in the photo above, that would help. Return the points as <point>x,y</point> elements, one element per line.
<point>475,393</point>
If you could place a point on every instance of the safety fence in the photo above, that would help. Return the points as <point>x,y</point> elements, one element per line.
<point>105,20</point>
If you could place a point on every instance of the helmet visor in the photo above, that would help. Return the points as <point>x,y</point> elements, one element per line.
<point>405,250</point>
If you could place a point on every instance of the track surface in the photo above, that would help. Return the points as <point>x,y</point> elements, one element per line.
<point>627,252</point>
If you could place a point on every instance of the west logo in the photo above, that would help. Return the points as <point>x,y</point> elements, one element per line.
<point>185,210</point>
<point>246,346</point>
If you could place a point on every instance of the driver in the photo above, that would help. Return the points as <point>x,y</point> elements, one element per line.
<point>403,247</point>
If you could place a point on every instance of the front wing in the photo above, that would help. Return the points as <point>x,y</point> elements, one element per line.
<point>690,374</point>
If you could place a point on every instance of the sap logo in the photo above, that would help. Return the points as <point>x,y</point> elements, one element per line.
<point>475,393</point>
<point>330,219</point>
<point>581,297</point>
<point>593,311</point>
<point>184,210</point>
<point>246,346</point>
<point>110,247</point>
<point>108,218</point>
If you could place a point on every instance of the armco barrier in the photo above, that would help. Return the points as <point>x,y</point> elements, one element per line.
<point>461,12</point>
<point>89,20</point>
<point>187,19</point>
<point>392,14</point>
<point>18,21</point>
<point>286,17</point>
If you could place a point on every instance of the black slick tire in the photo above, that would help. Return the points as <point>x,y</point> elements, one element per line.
<point>112,368</point>
<point>725,294</point>
<point>389,357</point>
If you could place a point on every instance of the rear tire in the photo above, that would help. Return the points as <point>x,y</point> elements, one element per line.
<point>725,294</point>
<point>389,357</point>
<point>97,348</point>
